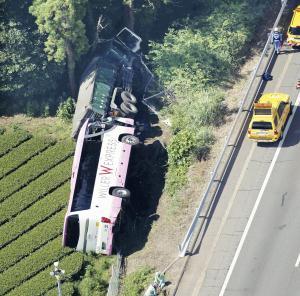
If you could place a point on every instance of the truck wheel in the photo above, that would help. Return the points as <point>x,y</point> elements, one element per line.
<point>128,97</point>
<point>128,108</point>
<point>121,192</point>
<point>130,140</point>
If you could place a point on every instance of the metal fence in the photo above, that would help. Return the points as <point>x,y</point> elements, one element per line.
<point>231,140</point>
<point>114,282</point>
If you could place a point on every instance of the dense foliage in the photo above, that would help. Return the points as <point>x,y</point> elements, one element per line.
<point>198,57</point>
<point>136,282</point>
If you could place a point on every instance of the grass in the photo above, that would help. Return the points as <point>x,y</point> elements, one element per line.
<point>135,283</point>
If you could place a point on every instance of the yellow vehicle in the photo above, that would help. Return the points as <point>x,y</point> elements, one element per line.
<point>270,115</point>
<point>293,35</point>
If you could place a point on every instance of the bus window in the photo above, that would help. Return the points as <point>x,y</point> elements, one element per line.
<point>86,176</point>
<point>72,231</point>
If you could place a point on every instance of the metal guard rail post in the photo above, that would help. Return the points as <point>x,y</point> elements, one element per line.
<point>185,243</point>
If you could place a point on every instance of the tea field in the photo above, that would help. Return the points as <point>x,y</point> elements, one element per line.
<point>34,191</point>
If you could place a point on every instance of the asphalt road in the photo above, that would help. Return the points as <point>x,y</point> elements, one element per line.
<point>251,244</point>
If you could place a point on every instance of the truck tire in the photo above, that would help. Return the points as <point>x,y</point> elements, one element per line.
<point>121,192</point>
<point>128,97</point>
<point>129,109</point>
<point>130,140</point>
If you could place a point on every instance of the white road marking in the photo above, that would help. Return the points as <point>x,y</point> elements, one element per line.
<point>225,216</point>
<point>298,261</point>
<point>241,243</point>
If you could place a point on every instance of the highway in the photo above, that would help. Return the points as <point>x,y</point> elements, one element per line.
<point>251,245</point>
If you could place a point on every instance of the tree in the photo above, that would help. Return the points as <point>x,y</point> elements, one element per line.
<point>25,72</point>
<point>62,21</point>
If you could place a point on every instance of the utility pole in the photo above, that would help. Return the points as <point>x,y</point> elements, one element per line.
<point>58,274</point>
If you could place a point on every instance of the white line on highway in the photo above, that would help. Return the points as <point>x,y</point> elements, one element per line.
<point>241,243</point>
<point>225,217</point>
<point>298,261</point>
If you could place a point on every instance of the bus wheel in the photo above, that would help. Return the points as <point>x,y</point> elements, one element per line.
<point>130,140</point>
<point>121,192</point>
<point>128,97</point>
<point>128,108</point>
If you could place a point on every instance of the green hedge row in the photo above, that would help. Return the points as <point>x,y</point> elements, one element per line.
<point>35,190</point>
<point>31,241</point>
<point>37,213</point>
<point>67,289</point>
<point>31,265</point>
<point>35,167</point>
<point>43,282</point>
<point>22,154</point>
<point>12,139</point>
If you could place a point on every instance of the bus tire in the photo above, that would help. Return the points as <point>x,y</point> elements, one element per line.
<point>128,97</point>
<point>130,140</point>
<point>129,109</point>
<point>121,192</point>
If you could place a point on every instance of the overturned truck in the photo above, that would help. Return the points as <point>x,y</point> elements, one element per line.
<point>104,127</point>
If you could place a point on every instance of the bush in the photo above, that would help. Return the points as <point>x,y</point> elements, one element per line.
<point>31,241</point>
<point>136,282</point>
<point>181,148</point>
<point>184,147</point>
<point>31,265</point>
<point>176,178</point>
<point>37,213</point>
<point>12,139</point>
<point>43,282</point>
<point>22,154</point>
<point>35,167</point>
<point>35,190</point>
<point>96,278</point>
<point>66,110</point>
<point>67,290</point>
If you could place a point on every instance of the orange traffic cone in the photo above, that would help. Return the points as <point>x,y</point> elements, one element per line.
<point>298,84</point>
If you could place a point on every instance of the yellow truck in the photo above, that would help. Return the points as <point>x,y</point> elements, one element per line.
<point>293,34</point>
<point>270,115</point>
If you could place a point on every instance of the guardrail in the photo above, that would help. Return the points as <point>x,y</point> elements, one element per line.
<point>233,136</point>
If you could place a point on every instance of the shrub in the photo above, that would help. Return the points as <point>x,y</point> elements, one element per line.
<point>12,139</point>
<point>35,167</point>
<point>176,178</point>
<point>43,282</point>
<point>66,110</point>
<point>184,147</point>
<point>96,278</point>
<point>67,290</point>
<point>181,148</point>
<point>31,240</point>
<point>35,190</point>
<point>31,265</point>
<point>22,154</point>
<point>136,282</point>
<point>37,213</point>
